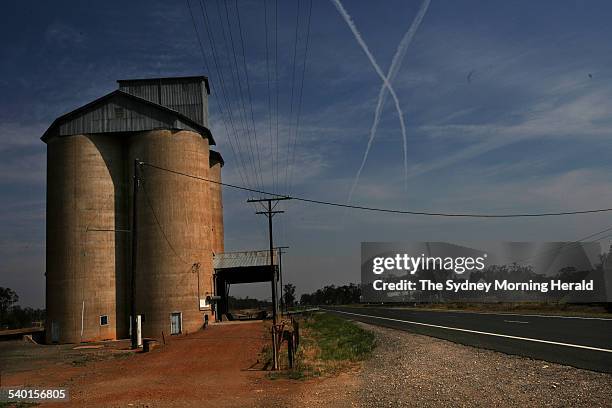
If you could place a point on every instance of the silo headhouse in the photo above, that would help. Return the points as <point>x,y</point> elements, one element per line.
<point>90,174</point>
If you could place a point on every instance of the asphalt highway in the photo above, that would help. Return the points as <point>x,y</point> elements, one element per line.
<point>584,342</point>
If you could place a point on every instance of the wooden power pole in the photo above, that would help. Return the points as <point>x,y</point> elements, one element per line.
<point>283,304</point>
<point>269,212</point>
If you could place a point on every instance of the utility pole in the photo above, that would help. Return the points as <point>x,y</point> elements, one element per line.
<point>269,212</point>
<point>137,164</point>
<point>280,270</point>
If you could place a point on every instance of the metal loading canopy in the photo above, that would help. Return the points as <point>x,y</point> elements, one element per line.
<point>245,266</point>
<point>240,267</point>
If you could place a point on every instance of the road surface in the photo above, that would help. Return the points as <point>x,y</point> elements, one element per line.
<point>584,342</point>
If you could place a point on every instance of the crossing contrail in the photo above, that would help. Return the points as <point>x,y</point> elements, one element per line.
<point>349,21</point>
<point>382,94</point>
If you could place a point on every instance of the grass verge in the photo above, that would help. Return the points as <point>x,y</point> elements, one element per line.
<point>339,339</point>
<point>328,345</point>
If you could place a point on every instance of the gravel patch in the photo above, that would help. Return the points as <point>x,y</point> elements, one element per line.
<point>410,370</point>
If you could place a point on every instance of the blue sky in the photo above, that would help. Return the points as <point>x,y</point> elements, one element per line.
<point>506,106</point>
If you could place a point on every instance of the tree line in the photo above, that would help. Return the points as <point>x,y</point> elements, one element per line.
<point>333,295</point>
<point>13,316</point>
<point>235,303</point>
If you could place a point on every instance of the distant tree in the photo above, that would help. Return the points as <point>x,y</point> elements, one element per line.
<point>246,303</point>
<point>333,295</point>
<point>8,298</point>
<point>289,294</point>
<point>306,299</point>
<point>19,317</point>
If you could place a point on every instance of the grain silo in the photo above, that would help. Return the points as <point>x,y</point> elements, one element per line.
<point>216,162</point>
<point>90,152</point>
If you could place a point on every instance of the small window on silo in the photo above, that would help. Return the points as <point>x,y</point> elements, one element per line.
<point>103,320</point>
<point>119,112</point>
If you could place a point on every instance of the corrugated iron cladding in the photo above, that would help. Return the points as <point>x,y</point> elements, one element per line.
<point>187,95</point>
<point>243,259</point>
<point>121,115</point>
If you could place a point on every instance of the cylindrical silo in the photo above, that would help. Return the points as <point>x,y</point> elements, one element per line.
<point>216,206</point>
<point>174,261</point>
<point>85,256</point>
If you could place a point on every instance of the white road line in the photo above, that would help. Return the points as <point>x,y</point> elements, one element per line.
<point>515,321</point>
<point>477,332</point>
<point>513,314</point>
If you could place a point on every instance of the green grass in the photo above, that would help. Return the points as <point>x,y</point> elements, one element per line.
<point>339,339</point>
<point>328,345</point>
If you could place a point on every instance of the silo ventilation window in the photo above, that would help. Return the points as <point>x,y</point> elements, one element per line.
<point>103,320</point>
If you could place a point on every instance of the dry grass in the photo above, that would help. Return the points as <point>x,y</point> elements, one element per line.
<point>328,345</point>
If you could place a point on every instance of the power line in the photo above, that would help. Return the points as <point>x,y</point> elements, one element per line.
<point>206,66</point>
<point>224,98</point>
<point>248,83</point>
<point>300,98</point>
<point>294,65</point>
<point>269,96</point>
<point>222,93</point>
<point>160,226</point>
<point>563,247</point>
<point>276,79</point>
<point>195,28</point>
<point>238,77</point>
<point>241,115</point>
<point>235,73</point>
<point>384,210</point>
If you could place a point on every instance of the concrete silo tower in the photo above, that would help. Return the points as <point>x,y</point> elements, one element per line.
<point>216,163</point>
<point>91,151</point>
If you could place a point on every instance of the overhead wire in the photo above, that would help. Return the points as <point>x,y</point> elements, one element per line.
<point>300,99</point>
<point>248,82</point>
<point>161,229</point>
<point>294,66</point>
<point>234,69</point>
<point>239,167</point>
<point>224,96</point>
<point>241,114</point>
<point>252,143</point>
<point>569,244</point>
<point>276,87</point>
<point>282,221</point>
<point>271,158</point>
<point>195,28</point>
<point>385,210</point>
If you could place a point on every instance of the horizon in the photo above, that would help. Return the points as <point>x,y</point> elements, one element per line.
<point>498,120</point>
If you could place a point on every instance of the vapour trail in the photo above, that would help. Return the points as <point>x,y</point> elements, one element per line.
<point>349,21</point>
<point>382,94</point>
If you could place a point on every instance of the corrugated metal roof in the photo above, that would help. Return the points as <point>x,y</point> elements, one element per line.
<point>122,112</point>
<point>187,95</point>
<point>229,260</point>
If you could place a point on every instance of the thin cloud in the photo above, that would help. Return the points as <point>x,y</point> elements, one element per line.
<point>584,117</point>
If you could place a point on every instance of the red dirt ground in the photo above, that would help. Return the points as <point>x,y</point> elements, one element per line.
<point>216,367</point>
